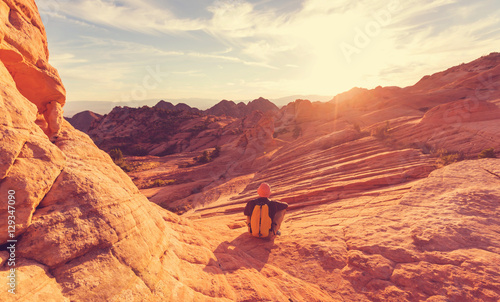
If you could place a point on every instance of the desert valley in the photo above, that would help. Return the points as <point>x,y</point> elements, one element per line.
<point>393,193</point>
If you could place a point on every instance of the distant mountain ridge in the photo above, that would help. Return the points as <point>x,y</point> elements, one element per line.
<point>224,107</point>
<point>178,107</point>
<point>83,120</point>
<point>166,128</point>
<point>103,107</point>
<point>241,109</point>
<point>158,124</point>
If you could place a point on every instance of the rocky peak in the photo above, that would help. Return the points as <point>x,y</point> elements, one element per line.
<point>178,107</point>
<point>164,105</point>
<point>185,107</point>
<point>83,120</point>
<point>241,109</point>
<point>225,107</point>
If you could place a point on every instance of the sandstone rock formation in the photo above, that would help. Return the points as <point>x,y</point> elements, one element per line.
<point>434,239</point>
<point>162,131</point>
<point>24,53</point>
<point>83,120</point>
<point>138,131</point>
<point>83,230</point>
<point>465,126</point>
<point>370,212</point>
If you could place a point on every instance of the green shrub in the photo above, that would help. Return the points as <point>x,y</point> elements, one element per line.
<point>162,183</point>
<point>381,132</point>
<point>446,157</point>
<point>124,165</point>
<point>181,209</point>
<point>116,154</point>
<point>197,190</point>
<point>204,158</point>
<point>216,152</point>
<point>208,156</point>
<point>138,166</point>
<point>487,153</point>
<point>280,132</point>
<point>297,131</point>
<point>117,157</point>
<point>155,183</point>
<point>423,146</point>
<point>450,158</point>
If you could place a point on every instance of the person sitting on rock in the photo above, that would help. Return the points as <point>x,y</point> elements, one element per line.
<point>264,216</point>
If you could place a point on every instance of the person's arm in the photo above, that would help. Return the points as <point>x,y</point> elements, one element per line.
<point>278,216</point>
<point>248,212</point>
<point>281,205</point>
<point>249,208</point>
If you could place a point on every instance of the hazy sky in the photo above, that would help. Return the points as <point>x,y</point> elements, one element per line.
<point>230,49</point>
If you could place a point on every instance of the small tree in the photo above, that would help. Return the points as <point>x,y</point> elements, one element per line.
<point>297,131</point>
<point>117,157</point>
<point>446,157</point>
<point>204,158</point>
<point>208,156</point>
<point>381,132</point>
<point>116,154</point>
<point>487,153</point>
<point>216,152</point>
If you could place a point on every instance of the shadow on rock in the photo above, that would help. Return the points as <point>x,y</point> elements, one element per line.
<point>244,251</point>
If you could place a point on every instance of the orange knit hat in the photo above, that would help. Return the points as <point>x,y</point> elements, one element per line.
<point>264,190</point>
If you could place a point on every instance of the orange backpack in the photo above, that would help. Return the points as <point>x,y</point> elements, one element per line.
<point>260,221</point>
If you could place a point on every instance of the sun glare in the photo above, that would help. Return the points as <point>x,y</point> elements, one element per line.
<point>328,69</point>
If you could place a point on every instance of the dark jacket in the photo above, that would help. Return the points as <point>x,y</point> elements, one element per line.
<point>274,206</point>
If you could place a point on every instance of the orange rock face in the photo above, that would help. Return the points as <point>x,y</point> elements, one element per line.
<point>83,230</point>
<point>24,53</point>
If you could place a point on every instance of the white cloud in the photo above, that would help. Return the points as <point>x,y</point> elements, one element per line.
<point>138,16</point>
<point>264,51</point>
<point>404,40</point>
<point>66,58</point>
<point>218,57</point>
<point>119,47</point>
<point>232,18</point>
